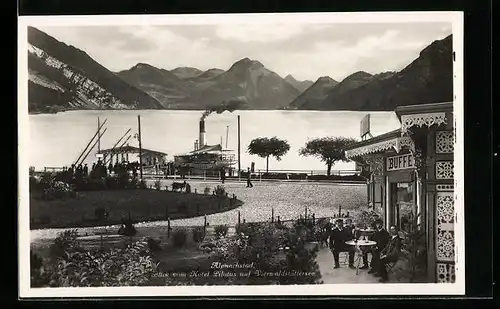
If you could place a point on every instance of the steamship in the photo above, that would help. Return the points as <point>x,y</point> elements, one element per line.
<point>205,160</point>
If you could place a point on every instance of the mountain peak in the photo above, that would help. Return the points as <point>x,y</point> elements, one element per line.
<point>359,75</point>
<point>327,79</point>
<point>142,65</point>
<point>247,63</point>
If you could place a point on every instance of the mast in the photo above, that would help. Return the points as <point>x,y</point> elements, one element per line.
<point>239,148</point>
<point>140,143</point>
<point>227,134</point>
<point>98,135</point>
<point>90,142</point>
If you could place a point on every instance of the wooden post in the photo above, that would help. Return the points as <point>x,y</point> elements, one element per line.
<point>305,214</point>
<point>272,214</point>
<point>168,227</point>
<point>205,225</point>
<point>239,217</point>
<point>340,211</point>
<point>140,143</point>
<point>239,149</point>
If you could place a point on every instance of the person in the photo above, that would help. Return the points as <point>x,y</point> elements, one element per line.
<point>249,179</point>
<point>223,174</point>
<point>338,236</point>
<point>389,254</point>
<point>86,170</point>
<point>188,187</point>
<point>381,237</point>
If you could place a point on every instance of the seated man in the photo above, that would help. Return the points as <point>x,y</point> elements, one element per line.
<point>338,236</point>
<point>389,254</point>
<point>381,237</point>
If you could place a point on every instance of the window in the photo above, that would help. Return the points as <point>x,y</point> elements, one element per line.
<point>403,205</point>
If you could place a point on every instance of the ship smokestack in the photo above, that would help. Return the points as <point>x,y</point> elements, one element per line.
<point>202,134</point>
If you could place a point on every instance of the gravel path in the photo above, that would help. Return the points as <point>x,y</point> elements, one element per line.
<point>288,200</point>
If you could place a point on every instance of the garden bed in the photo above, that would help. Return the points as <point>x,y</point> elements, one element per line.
<point>142,205</point>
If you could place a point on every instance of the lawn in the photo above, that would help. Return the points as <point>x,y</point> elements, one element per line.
<point>142,206</point>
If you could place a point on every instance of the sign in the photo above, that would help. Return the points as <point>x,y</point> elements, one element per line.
<point>365,126</point>
<point>99,155</point>
<point>400,162</point>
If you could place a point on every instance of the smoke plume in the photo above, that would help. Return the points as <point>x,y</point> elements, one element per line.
<point>229,106</point>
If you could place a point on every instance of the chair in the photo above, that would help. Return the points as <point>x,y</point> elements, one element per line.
<point>390,269</point>
<point>344,258</point>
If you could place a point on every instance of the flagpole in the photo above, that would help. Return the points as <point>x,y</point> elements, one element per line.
<point>140,143</point>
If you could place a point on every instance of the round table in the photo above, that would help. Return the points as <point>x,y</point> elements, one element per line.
<point>361,244</point>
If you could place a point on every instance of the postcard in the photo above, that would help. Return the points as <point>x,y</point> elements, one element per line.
<point>241,154</point>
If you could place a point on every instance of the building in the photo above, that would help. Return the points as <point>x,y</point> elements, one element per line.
<point>411,180</point>
<point>150,158</point>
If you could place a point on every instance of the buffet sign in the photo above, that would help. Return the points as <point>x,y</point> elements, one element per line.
<point>400,162</point>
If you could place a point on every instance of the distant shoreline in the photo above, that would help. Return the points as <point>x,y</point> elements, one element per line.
<point>201,110</point>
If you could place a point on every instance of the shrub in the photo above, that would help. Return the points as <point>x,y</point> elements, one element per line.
<point>57,190</point>
<point>158,184</point>
<point>127,229</point>
<point>142,185</point>
<point>207,191</point>
<point>220,191</point>
<point>179,238</point>
<point>198,234</point>
<point>276,249</point>
<point>221,230</point>
<point>131,266</point>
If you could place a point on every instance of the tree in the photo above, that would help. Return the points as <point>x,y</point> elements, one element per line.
<point>265,147</point>
<point>328,150</point>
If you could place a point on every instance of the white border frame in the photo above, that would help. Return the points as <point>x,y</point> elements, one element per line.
<point>457,288</point>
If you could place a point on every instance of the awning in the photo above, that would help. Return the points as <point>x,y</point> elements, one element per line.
<point>423,115</point>
<point>395,143</point>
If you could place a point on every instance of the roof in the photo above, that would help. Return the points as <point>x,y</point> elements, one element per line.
<point>207,148</point>
<point>423,108</point>
<point>131,149</point>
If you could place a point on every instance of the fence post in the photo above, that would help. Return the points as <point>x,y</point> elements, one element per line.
<point>168,227</point>
<point>205,225</point>
<point>272,214</point>
<point>239,217</point>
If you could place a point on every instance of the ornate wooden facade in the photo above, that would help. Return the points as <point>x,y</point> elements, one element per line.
<point>424,152</point>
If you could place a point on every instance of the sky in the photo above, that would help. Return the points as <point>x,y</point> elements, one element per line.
<point>306,51</point>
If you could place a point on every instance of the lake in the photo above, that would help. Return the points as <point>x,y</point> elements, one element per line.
<point>58,139</point>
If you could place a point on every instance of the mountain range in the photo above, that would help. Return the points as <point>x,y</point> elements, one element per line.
<point>62,77</point>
